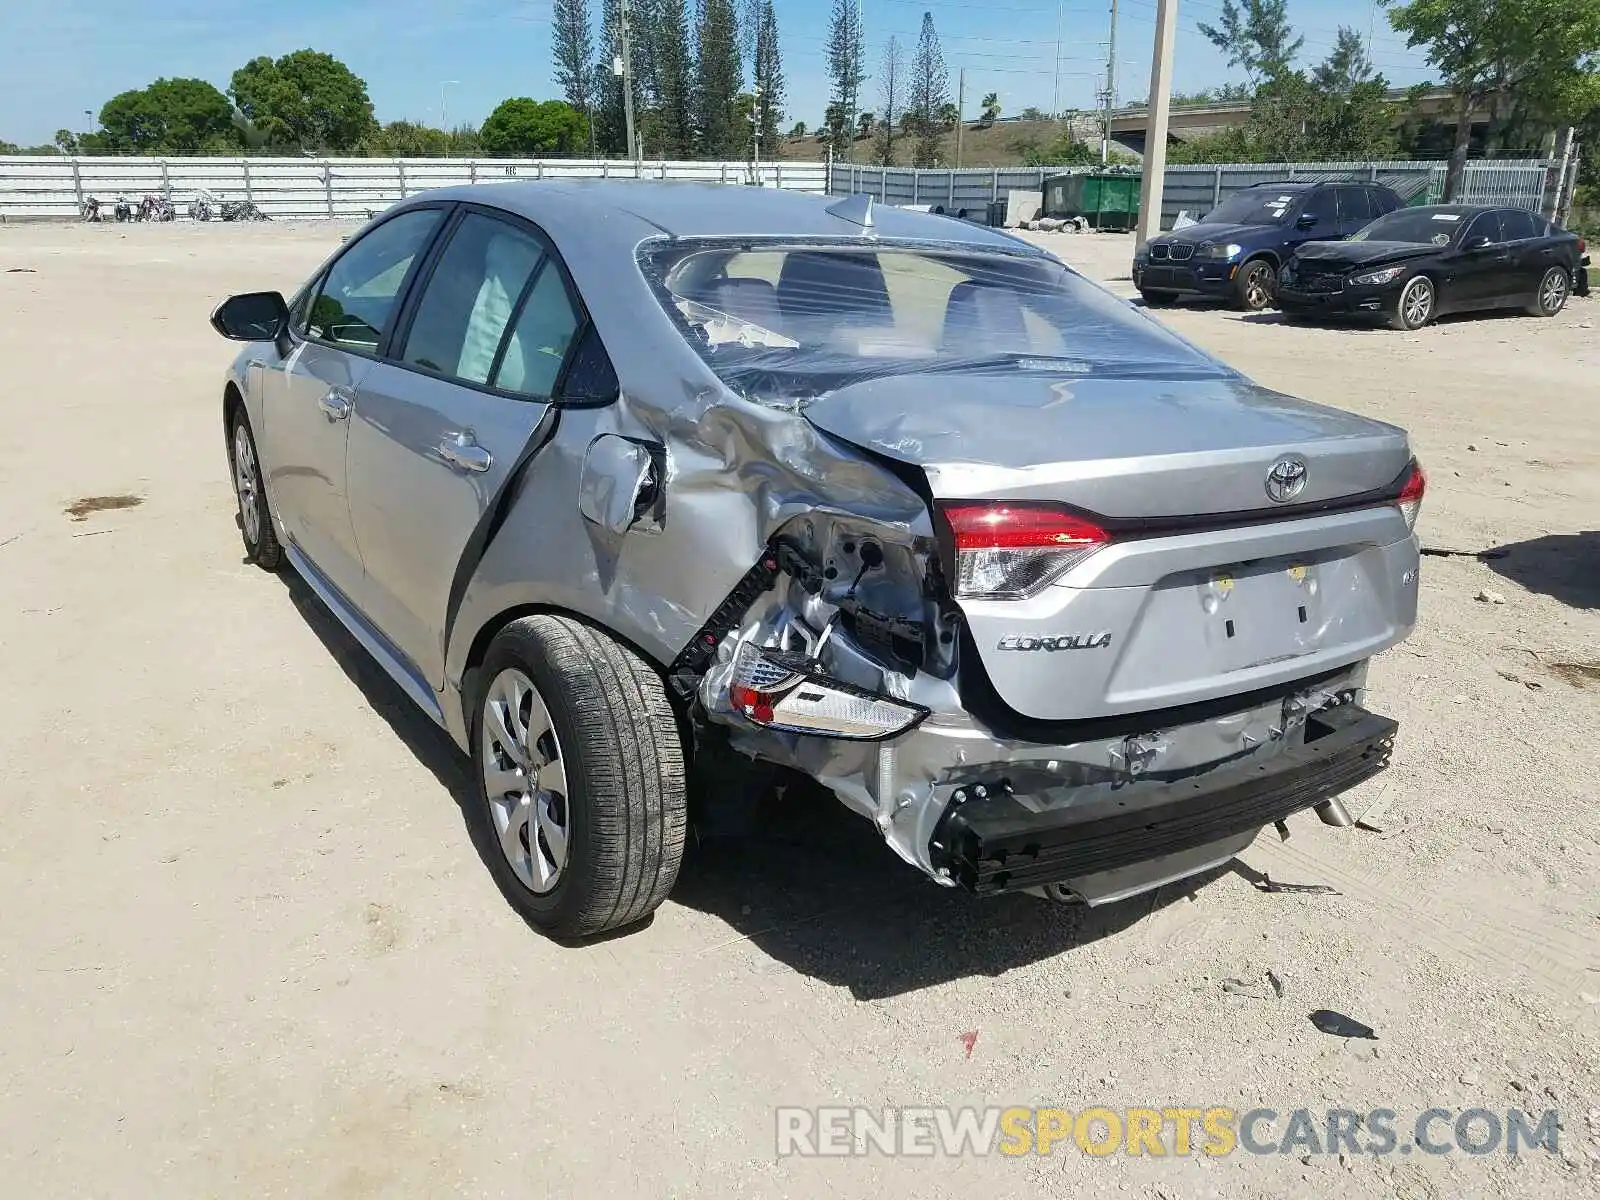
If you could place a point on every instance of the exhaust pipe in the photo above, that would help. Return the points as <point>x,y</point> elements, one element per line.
<point>1333,812</point>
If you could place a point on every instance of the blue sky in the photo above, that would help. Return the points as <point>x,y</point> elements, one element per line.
<point>60,57</point>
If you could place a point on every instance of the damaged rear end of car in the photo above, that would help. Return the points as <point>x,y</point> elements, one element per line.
<point>1121,622</point>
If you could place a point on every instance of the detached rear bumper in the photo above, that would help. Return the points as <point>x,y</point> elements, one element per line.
<point>1006,842</point>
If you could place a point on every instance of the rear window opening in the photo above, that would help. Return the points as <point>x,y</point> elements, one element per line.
<point>784,319</point>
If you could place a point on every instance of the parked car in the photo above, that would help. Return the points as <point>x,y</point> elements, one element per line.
<point>624,481</point>
<point>1235,251</point>
<point>1419,263</point>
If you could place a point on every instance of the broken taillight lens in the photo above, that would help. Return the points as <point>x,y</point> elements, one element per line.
<point>1007,551</point>
<point>788,693</point>
<point>1410,499</point>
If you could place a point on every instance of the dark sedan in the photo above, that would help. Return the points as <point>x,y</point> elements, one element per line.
<point>1411,266</point>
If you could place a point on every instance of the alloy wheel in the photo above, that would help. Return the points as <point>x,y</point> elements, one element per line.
<point>1258,286</point>
<point>525,781</point>
<point>1417,303</point>
<point>247,483</point>
<point>1553,293</point>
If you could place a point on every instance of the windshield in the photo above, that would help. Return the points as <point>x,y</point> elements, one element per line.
<point>1258,206</point>
<point>1424,226</point>
<point>793,321</point>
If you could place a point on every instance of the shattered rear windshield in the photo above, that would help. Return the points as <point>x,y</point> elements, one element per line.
<point>795,320</point>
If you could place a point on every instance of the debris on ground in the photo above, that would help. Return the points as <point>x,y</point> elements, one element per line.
<point>1339,1025</point>
<point>1488,597</point>
<point>1483,555</point>
<point>1577,674</point>
<point>79,510</point>
<point>1531,684</point>
<point>969,1040</point>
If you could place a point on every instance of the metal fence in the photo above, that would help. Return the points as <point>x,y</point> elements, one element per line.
<point>1197,189</point>
<point>286,188</point>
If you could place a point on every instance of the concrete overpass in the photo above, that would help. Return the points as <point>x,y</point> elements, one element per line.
<point>1129,124</point>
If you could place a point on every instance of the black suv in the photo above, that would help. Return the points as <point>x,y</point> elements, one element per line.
<point>1235,251</point>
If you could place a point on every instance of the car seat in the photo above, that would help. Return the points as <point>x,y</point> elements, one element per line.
<point>984,318</point>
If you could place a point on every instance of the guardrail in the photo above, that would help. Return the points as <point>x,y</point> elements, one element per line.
<point>310,188</point>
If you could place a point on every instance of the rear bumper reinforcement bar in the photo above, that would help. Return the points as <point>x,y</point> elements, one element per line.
<point>1003,843</point>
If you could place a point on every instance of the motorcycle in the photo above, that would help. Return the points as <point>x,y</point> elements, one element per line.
<point>242,210</point>
<point>155,208</point>
<point>124,210</point>
<point>200,208</point>
<point>91,209</point>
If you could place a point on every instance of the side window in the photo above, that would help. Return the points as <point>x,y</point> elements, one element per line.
<point>539,339</point>
<point>1383,201</point>
<point>360,291</point>
<point>1516,225</point>
<point>1484,225</point>
<point>1354,206</point>
<point>470,299</point>
<point>1321,204</point>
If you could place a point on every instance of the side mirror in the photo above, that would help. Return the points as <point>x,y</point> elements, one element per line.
<point>1306,221</point>
<point>251,317</point>
<point>1475,243</point>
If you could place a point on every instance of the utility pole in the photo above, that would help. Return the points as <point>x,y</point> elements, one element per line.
<point>627,77</point>
<point>1055,96</point>
<point>961,110</point>
<point>1155,141</point>
<point>1111,89</point>
<point>755,132</point>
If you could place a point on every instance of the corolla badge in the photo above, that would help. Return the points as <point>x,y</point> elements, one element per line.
<point>1287,479</point>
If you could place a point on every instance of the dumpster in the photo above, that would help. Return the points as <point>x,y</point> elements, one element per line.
<point>1105,200</point>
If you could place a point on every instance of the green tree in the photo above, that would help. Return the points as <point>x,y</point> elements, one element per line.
<point>798,131</point>
<point>1256,36</point>
<point>1066,150</point>
<point>718,76</point>
<point>307,99</point>
<point>169,114</point>
<point>767,74</point>
<point>407,139</point>
<point>1534,57</point>
<point>671,94</point>
<point>991,108</point>
<point>929,93</point>
<point>1346,66</point>
<point>1032,113</point>
<point>846,52</point>
<point>66,141</point>
<point>572,47</point>
<point>527,128</point>
<point>892,87</point>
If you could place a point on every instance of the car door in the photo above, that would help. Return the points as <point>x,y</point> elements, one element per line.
<point>1478,269</point>
<point>1355,209</point>
<point>1318,220</point>
<point>441,424</point>
<point>1529,254</point>
<point>309,393</point>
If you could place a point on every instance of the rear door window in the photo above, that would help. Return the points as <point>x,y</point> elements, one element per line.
<point>1485,225</point>
<point>361,290</point>
<point>1516,225</point>
<point>1355,207</point>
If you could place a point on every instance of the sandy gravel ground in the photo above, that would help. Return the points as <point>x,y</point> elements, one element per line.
<point>248,948</point>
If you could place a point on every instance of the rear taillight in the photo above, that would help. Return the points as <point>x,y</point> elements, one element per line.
<point>1006,551</point>
<point>1410,500</point>
<point>788,692</point>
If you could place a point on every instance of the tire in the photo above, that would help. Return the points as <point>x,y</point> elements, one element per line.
<point>606,774</point>
<point>1254,285</point>
<point>1554,287</point>
<point>1415,306</point>
<point>1157,299</point>
<point>255,516</point>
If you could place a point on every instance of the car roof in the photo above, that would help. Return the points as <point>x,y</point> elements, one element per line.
<point>626,209</point>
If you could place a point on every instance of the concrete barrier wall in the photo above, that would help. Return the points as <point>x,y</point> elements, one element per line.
<point>311,188</point>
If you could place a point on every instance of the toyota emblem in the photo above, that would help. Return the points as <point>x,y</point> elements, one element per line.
<point>1287,479</point>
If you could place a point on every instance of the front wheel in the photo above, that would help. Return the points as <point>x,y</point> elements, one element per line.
<point>255,516</point>
<point>582,800</point>
<point>1551,297</point>
<point>1414,309</point>
<point>1253,287</point>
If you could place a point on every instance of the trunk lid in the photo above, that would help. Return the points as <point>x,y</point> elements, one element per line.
<point>1206,589</point>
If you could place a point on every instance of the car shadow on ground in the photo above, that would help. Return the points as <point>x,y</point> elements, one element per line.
<point>1564,566</point>
<point>815,889</point>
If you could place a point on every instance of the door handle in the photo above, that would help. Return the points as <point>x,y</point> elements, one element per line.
<point>336,404</point>
<point>461,450</point>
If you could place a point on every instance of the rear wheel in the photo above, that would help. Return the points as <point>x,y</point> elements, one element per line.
<point>1551,297</point>
<point>1415,307</point>
<point>1253,287</point>
<point>581,807</point>
<point>1157,298</point>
